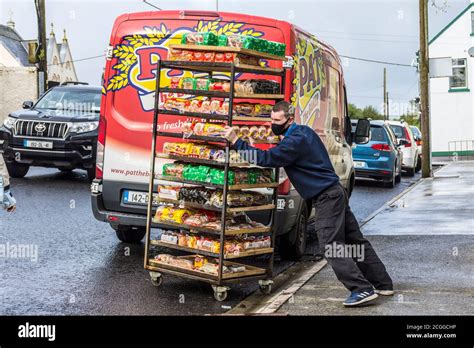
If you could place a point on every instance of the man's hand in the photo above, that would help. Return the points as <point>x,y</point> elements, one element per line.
<point>230,135</point>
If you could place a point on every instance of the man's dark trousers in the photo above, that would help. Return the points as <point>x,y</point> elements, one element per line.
<point>337,225</point>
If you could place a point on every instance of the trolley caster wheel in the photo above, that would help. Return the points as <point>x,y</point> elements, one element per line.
<point>265,286</point>
<point>156,279</point>
<point>220,292</point>
<point>220,296</point>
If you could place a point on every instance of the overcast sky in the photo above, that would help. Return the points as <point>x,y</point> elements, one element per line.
<point>382,30</point>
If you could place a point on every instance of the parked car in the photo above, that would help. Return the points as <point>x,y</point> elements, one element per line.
<point>120,190</point>
<point>408,144</point>
<point>418,139</point>
<point>59,130</point>
<point>381,157</point>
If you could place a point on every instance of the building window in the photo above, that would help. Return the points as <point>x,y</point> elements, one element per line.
<point>459,78</point>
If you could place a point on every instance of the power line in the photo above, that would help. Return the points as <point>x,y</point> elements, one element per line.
<point>376,61</point>
<point>80,60</point>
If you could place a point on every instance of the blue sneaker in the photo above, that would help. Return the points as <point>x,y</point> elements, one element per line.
<point>357,298</point>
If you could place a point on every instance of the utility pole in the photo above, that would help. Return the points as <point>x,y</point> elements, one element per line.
<point>385,93</point>
<point>388,107</point>
<point>42,46</point>
<point>426,170</point>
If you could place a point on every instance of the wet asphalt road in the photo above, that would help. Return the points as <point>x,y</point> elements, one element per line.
<point>81,268</point>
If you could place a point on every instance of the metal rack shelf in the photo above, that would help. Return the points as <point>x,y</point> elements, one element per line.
<point>219,186</point>
<point>221,278</point>
<point>249,253</point>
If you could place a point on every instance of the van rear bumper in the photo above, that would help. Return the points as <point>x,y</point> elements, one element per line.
<point>285,218</point>
<point>114,217</point>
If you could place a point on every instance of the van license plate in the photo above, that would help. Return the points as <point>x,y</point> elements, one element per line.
<point>359,164</point>
<point>38,144</point>
<point>136,197</point>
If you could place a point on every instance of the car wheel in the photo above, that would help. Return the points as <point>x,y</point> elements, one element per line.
<point>17,170</point>
<point>391,183</point>
<point>129,234</point>
<point>418,165</point>
<point>398,177</point>
<point>295,250</point>
<point>410,171</point>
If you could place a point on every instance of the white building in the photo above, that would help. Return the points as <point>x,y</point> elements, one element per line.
<point>60,63</point>
<point>452,98</point>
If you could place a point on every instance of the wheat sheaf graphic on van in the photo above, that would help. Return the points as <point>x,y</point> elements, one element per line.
<point>160,36</point>
<point>126,57</point>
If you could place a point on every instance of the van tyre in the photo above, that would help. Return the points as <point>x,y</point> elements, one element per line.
<point>295,250</point>
<point>130,234</point>
<point>17,170</point>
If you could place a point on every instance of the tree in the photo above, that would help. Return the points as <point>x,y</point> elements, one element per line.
<point>372,113</point>
<point>354,112</point>
<point>412,119</point>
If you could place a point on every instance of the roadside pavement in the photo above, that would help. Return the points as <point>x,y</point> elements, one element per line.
<point>426,240</point>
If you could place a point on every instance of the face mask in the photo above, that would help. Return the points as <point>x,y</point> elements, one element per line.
<point>279,129</point>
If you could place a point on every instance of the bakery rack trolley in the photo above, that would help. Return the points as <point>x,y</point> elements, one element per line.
<point>220,282</point>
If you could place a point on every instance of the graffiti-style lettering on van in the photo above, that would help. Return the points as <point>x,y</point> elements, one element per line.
<point>137,56</point>
<point>309,80</point>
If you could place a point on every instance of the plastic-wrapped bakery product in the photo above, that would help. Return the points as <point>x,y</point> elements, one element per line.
<point>175,82</point>
<point>217,176</point>
<point>241,176</point>
<point>208,56</point>
<point>253,132</point>
<point>263,110</point>
<point>179,149</point>
<point>196,220</point>
<point>195,106</point>
<point>262,86</point>
<point>245,109</point>
<point>173,169</point>
<point>196,173</point>
<point>243,87</point>
<point>202,84</point>
<point>206,106</point>
<point>222,40</point>
<point>244,132</point>
<point>208,39</point>
<point>188,83</point>
<point>169,237</point>
<point>213,129</point>
<point>168,192</point>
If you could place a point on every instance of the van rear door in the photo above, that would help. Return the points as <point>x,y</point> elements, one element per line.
<point>140,40</point>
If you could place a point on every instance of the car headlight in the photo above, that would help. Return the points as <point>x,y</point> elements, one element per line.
<point>83,127</point>
<point>9,122</point>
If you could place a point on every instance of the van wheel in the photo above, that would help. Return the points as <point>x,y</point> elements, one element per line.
<point>295,250</point>
<point>129,234</point>
<point>91,173</point>
<point>17,170</point>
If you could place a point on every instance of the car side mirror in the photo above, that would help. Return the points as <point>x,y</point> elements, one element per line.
<point>402,142</point>
<point>362,132</point>
<point>27,104</point>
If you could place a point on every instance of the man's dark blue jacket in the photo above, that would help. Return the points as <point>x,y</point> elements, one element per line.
<point>304,157</point>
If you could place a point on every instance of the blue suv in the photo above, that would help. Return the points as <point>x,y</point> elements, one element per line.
<point>381,157</point>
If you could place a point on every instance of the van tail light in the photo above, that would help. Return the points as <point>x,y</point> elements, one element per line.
<point>284,186</point>
<point>419,142</point>
<point>381,147</point>
<point>407,137</point>
<point>99,166</point>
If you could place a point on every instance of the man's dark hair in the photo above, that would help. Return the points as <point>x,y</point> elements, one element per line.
<point>286,107</point>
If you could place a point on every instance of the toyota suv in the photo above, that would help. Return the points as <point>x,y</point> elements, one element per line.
<point>59,131</point>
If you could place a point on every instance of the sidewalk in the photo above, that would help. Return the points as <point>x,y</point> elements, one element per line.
<point>426,240</point>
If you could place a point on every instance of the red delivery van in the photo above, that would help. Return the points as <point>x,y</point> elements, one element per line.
<point>138,40</point>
